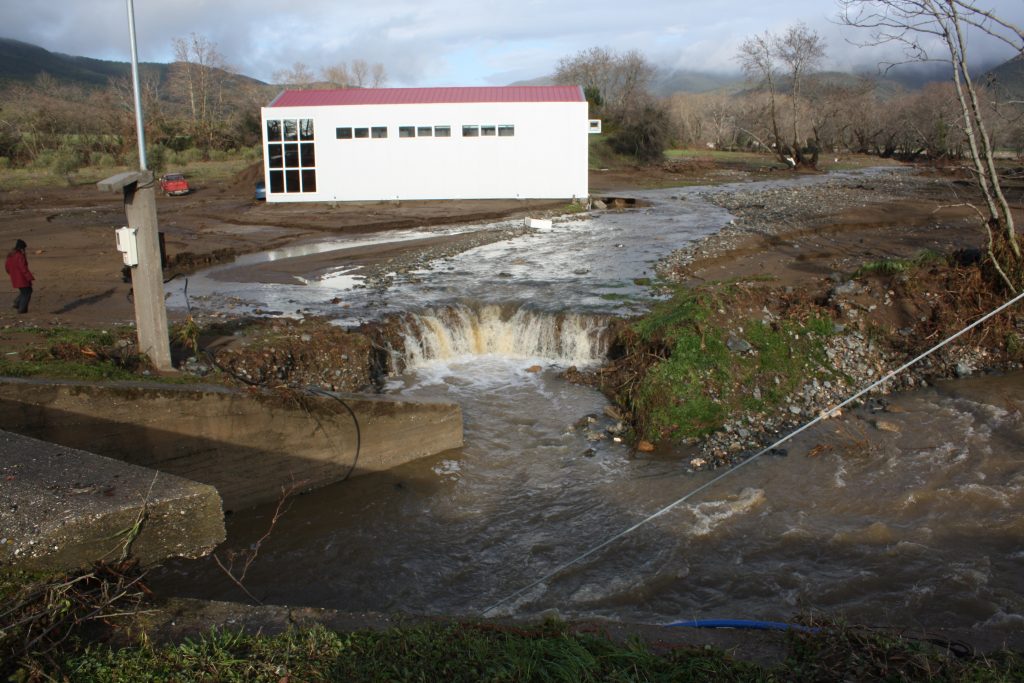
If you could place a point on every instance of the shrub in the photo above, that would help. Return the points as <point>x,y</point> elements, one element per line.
<point>66,161</point>
<point>643,133</point>
<point>103,160</point>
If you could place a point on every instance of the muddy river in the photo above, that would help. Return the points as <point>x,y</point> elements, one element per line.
<point>920,528</point>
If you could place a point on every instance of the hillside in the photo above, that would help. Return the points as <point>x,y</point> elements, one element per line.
<point>1008,78</point>
<point>23,63</point>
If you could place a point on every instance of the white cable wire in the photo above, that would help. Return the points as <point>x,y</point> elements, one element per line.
<point>821,416</point>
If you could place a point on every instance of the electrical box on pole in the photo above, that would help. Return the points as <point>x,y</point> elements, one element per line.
<point>128,245</point>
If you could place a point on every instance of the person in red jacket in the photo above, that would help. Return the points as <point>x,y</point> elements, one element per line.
<point>21,277</point>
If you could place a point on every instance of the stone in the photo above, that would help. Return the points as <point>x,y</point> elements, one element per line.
<point>738,345</point>
<point>886,426</point>
<point>963,369</point>
<point>598,204</point>
<point>534,369</point>
<point>645,446</point>
<point>613,412</point>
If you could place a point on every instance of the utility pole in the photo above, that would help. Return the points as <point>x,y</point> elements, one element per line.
<point>142,253</point>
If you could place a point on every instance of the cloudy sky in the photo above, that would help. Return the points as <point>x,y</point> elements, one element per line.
<point>443,42</point>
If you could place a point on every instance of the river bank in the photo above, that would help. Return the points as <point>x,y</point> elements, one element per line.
<point>887,263</point>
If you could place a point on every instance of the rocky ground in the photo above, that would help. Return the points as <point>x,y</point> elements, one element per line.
<point>802,250</point>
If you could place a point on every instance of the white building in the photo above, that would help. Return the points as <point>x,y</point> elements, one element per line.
<point>525,142</point>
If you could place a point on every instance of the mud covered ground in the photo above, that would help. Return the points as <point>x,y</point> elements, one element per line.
<point>806,241</point>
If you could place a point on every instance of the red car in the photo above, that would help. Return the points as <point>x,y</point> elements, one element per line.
<point>174,183</point>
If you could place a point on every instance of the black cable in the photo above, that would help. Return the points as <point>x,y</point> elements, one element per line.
<point>317,391</point>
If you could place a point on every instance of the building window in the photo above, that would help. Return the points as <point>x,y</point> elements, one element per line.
<point>488,131</point>
<point>406,131</point>
<point>291,155</point>
<point>506,131</point>
<point>291,163</point>
<point>424,131</point>
<point>442,131</point>
<point>379,132</point>
<point>471,131</point>
<point>362,132</point>
<point>309,180</point>
<point>343,133</point>
<point>273,131</point>
<point>291,130</point>
<point>275,155</point>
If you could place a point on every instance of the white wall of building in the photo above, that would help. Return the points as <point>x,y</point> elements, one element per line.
<point>545,158</point>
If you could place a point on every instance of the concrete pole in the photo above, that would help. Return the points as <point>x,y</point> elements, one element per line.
<point>148,276</point>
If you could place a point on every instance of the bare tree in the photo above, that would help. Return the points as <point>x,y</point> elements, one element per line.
<point>360,73</point>
<point>198,73</point>
<point>800,50</point>
<point>793,55</point>
<point>757,59</point>
<point>378,76</point>
<point>298,76</point>
<point>917,25</point>
<point>336,75</point>
<point>614,84</point>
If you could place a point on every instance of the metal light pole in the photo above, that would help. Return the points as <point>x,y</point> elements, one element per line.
<point>139,127</point>
<point>143,253</point>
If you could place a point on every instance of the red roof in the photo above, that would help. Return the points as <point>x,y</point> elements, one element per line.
<point>358,96</point>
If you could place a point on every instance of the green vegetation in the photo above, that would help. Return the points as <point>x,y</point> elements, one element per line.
<point>59,627</point>
<point>892,266</point>
<point>198,172</point>
<point>544,652</point>
<point>81,355</point>
<point>697,381</point>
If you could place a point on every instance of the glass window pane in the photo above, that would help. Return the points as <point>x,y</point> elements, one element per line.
<point>379,131</point>
<point>273,131</point>
<point>487,130</point>
<point>506,131</point>
<point>307,155</point>
<point>343,133</point>
<point>406,132</point>
<point>291,181</point>
<point>443,131</point>
<point>291,155</point>
<point>309,180</point>
<point>305,129</point>
<point>275,155</point>
<point>291,130</point>
<point>362,132</point>
<point>470,131</point>
<point>424,131</point>
<point>277,182</point>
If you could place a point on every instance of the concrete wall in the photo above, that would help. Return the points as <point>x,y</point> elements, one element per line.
<point>547,158</point>
<point>247,444</point>
<point>64,508</point>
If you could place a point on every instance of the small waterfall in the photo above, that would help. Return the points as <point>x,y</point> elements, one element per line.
<point>461,330</point>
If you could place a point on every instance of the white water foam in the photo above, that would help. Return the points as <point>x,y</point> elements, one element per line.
<point>463,331</point>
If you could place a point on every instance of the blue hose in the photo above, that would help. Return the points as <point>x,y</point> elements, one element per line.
<point>746,624</point>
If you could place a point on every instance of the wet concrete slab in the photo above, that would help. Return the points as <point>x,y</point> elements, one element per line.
<point>251,445</point>
<point>63,508</point>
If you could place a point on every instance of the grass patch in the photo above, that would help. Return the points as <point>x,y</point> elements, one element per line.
<point>85,355</point>
<point>893,266</point>
<point>545,652</point>
<point>197,172</point>
<point>697,381</point>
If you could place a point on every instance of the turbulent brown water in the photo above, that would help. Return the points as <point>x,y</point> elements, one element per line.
<point>920,528</point>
